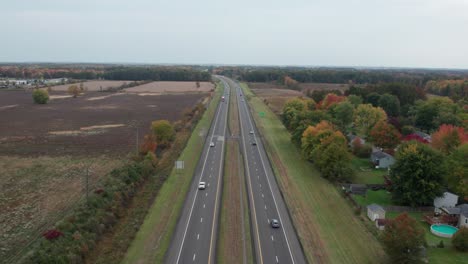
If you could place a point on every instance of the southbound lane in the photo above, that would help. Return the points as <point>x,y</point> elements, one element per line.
<point>194,240</point>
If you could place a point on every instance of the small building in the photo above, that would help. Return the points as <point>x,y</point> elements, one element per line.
<point>447,200</point>
<point>375,211</point>
<point>424,136</point>
<point>381,159</point>
<point>358,189</point>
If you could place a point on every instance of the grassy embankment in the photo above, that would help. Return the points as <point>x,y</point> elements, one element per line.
<point>154,236</point>
<point>234,241</point>
<point>326,225</point>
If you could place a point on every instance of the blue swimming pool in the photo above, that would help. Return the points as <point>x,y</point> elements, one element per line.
<point>443,230</point>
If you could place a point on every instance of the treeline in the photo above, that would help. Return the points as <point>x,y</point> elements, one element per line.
<point>342,75</point>
<point>156,74</point>
<point>132,73</point>
<point>455,89</point>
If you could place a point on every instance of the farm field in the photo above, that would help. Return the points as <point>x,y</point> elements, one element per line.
<point>91,86</point>
<point>171,87</point>
<point>327,227</point>
<point>276,95</point>
<point>45,150</point>
<point>95,122</point>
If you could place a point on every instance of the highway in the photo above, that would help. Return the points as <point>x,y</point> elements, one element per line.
<point>272,245</point>
<point>195,237</point>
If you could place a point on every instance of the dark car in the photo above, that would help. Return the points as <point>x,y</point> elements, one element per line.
<point>275,223</point>
<point>254,143</point>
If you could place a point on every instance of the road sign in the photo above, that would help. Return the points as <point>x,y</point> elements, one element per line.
<point>262,114</point>
<point>179,165</point>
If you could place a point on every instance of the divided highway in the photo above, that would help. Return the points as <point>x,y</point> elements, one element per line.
<point>272,245</point>
<point>194,239</point>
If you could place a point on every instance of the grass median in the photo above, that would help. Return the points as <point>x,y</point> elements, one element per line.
<point>326,225</point>
<point>154,236</point>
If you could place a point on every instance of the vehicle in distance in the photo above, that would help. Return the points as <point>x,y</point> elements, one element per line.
<point>251,132</point>
<point>254,143</point>
<point>201,186</point>
<point>275,223</point>
<point>212,144</point>
<point>222,98</point>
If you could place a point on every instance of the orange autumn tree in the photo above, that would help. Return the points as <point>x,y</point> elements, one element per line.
<point>330,100</point>
<point>385,135</point>
<point>312,136</point>
<point>448,138</point>
<point>149,145</point>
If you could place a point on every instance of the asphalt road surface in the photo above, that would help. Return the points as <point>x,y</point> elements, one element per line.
<point>194,239</point>
<point>272,245</point>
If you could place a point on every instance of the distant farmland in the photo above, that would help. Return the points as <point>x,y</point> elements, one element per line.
<point>92,85</point>
<point>45,149</point>
<point>172,87</point>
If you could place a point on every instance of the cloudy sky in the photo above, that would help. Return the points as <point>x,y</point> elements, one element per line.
<point>389,33</point>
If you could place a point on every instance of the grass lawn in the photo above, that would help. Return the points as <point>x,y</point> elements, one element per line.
<point>436,255</point>
<point>365,173</point>
<point>154,236</point>
<point>381,197</point>
<point>326,225</point>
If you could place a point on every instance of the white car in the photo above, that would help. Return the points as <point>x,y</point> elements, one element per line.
<point>251,132</point>
<point>212,144</point>
<point>201,186</point>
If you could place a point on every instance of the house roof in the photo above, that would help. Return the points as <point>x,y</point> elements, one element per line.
<point>451,210</point>
<point>445,198</point>
<point>358,188</point>
<point>381,155</point>
<point>375,207</point>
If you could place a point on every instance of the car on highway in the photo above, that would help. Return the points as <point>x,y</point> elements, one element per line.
<point>201,186</point>
<point>251,132</point>
<point>254,143</point>
<point>212,144</point>
<point>275,223</point>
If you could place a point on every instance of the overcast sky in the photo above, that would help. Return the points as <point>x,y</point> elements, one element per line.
<point>390,33</point>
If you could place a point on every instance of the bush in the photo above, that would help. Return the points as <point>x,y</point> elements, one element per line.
<point>40,96</point>
<point>52,234</point>
<point>441,244</point>
<point>460,239</point>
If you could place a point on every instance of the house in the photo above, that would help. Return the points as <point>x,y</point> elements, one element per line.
<point>381,159</point>
<point>447,200</point>
<point>352,138</point>
<point>375,211</point>
<point>460,211</point>
<point>424,136</point>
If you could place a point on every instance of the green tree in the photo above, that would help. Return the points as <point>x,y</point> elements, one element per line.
<point>457,175</point>
<point>373,99</point>
<point>430,114</point>
<point>163,131</point>
<point>355,99</point>
<point>390,104</point>
<point>403,240</point>
<point>40,96</point>
<point>342,114</point>
<point>332,158</point>
<point>417,175</point>
<point>460,239</point>
<point>385,135</point>
<point>291,109</point>
<point>365,117</point>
